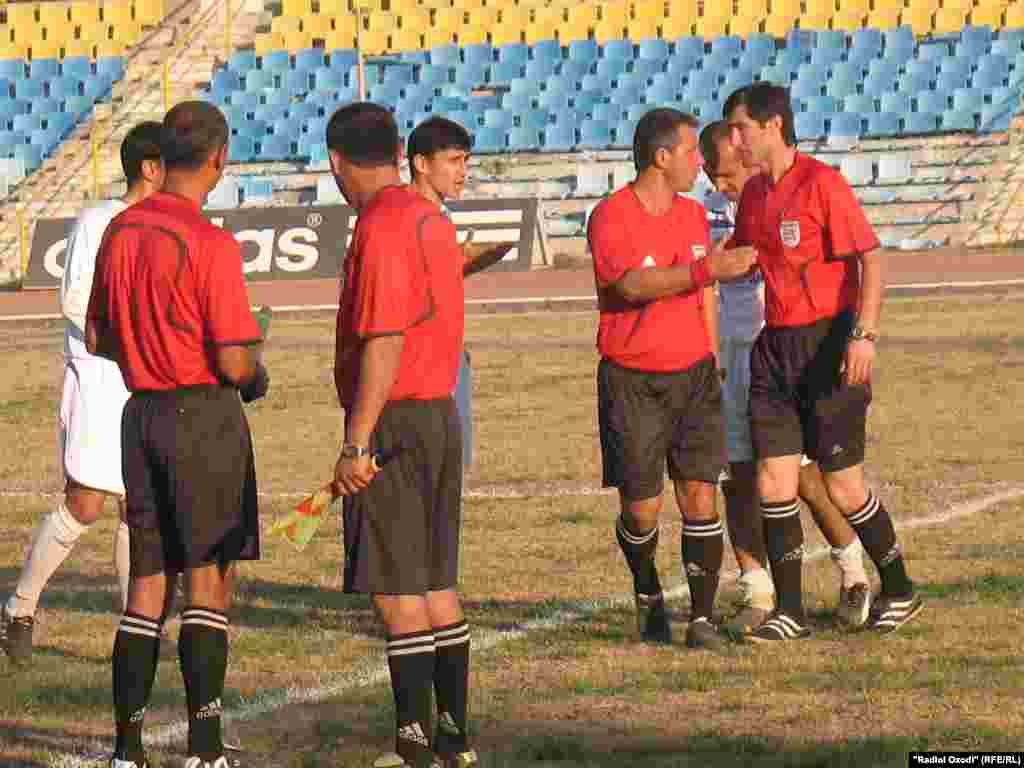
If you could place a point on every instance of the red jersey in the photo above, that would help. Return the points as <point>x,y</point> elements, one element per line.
<point>806,228</point>
<point>402,275</point>
<point>667,334</point>
<point>171,288</point>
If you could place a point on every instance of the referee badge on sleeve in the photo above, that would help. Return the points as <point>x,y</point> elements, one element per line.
<point>789,233</point>
<point>699,252</point>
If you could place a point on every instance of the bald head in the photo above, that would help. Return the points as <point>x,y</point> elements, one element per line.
<point>722,161</point>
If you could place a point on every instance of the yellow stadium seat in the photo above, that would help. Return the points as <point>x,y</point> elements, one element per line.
<point>643,29</point>
<point>884,17</point>
<point>483,17</point>
<point>856,5</point>
<point>504,34</point>
<point>449,18</point>
<point>335,8</point>
<point>779,24</point>
<point>682,12</point>
<point>573,31</point>
<point>84,13</point>
<point>374,41</point>
<point>711,26</point>
<point>317,26</point>
<point>963,5</point>
<point>992,15</point>
<point>919,19</point>
<point>20,15</point>
<point>609,29</point>
<point>127,32</point>
<point>44,49</point>
<point>815,19</point>
<point>53,15</point>
<point>296,40</point>
<point>406,39</point>
<point>149,12</point>
<point>110,48</point>
<point>516,16</point>
<point>79,48</point>
<point>1015,15</point>
<point>552,16</point>
<point>340,38</point>
<point>648,9</point>
<point>467,5</point>
<point>283,25</point>
<point>417,19</point>
<point>784,8</point>
<point>758,8</point>
<point>948,20</point>
<point>261,43</point>
<point>117,13</point>
<point>471,34</point>
<point>296,7</point>
<point>582,15</point>
<point>381,20</point>
<point>346,23</point>
<point>848,18</point>
<point>618,12</point>
<point>744,25</point>
<point>532,33</point>
<point>434,36</point>
<point>94,32</point>
<point>677,26</point>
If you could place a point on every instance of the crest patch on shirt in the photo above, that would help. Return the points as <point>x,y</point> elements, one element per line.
<point>648,261</point>
<point>789,232</point>
<point>699,252</point>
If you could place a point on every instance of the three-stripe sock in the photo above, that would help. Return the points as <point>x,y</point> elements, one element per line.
<point>411,660</point>
<point>784,541</point>
<point>136,652</point>
<point>203,650</point>
<point>702,548</point>
<point>639,550</point>
<point>875,530</point>
<point>451,685</point>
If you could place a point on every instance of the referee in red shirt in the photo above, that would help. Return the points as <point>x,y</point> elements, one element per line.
<point>659,396</point>
<point>399,338</point>
<point>169,305</point>
<point>811,366</point>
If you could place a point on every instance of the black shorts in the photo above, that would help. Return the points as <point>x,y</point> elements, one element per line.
<point>190,478</point>
<point>402,531</point>
<point>648,417</point>
<point>799,402</point>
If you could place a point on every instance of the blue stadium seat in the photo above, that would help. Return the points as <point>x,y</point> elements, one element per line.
<point>445,55</point>
<point>683,63</point>
<point>466,119</point>
<point>825,58</point>
<point>269,113</point>
<point>980,33</point>
<point>78,107</point>
<point>259,80</point>
<point>13,69</point>
<point>806,87</point>
<point>245,99</point>
<point>62,122</point>
<point>995,119</point>
<point>470,76</point>
<point>920,122</point>
<point>27,123</point>
<point>481,54</point>
<point>636,111</point>
<point>1005,97</point>
<point>240,61</point>
<point>553,101</point>
<point>76,66</point>
<point>546,49</point>
<point>731,43</point>
<point>1008,47</point>
<point>556,84</point>
<point>225,81</point>
<point>584,101</point>
<point>955,66</point>
<point>434,74</point>
<point>275,148</point>
<point>43,68</point>
<point>969,99</point>
<point>842,86</point>
<point>524,139</point>
<point>499,118</point>
<point>303,110</point>
<point>801,39</point>
<point>755,58</point>
<point>611,68</point>
<point>621,50</point>
<point>927,68</point>
<point>64,87</point>
<point>572,69</point>
<point>559,137</point>
<point>514,53</point>
<point>707,109</point>
<point>254,129</point>
<point>97,87</point>
<point>632,80</point>
<point>517,101</point>
<point>702,81</point>
<point>46,106</point>
<point>899,39</point>
<point>623,133</point>
<point>896,102</point>
<point>781,74</point>
<point>658,50</point>
<point>342,59</point>
<point>626,96</point>
<point>860,57</point>
<point>859,103</point>
<point>883,124</point>
<point>316,126</point>
<point>867,38</point>
<point>489,140</point>
<point>540,69</point>
<point>586,51</point>
<point>846,124</point>
<point>11,139</point>
<point>595,134</point>
<point>913,84</point>
<point>413,58</point>
<point>931,101</point>
<point>29,89</point>
<point>988,79</point>
<point>275,61</point>
<point>736,78</point>
<point>661,94</point>
<point>326,79</point>
<point>110,66</point>
<point>310,59</point>
<point>276,96</point>
<point>688,45</point>
<point>482,103</point>
<point>993,62</point>
<point>876,85</point>
<point>296,82</point>
<point>536,119</point>
<point>597,83</point>
<point>809,126</point>
<point>720,60</point>
<point>832,38</point>
<point>504,72</point>
<point>957,120</point>
<point>610,113</point>
<point>822,104</point>
<point>760,42</point>
<point>400,75</point>
<point>287,127</point>
<point>647,68</point>
<point>30,155</point>
<point>934,49</point>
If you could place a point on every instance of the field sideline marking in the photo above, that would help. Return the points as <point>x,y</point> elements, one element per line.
<point>374,671</point>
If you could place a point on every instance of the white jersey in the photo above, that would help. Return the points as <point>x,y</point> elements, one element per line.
<point>79,268</point>
<point>740,302</point>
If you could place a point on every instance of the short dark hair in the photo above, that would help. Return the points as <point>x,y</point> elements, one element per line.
<point>764,101</point>
<point>658,129</point>
<point>436,134</point>
<point>141,143</point>
<point>365,134</point>
<point>710,137</point>
<point>191,132</point>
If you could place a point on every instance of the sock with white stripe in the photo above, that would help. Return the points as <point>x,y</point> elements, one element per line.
<point>136,650</point>
<point>639,549</point>
<point>702,547</point>
<point>203,650</point>
<point>784,540</point>
<point>411,661</point>
<point>451,685</point>
<point>55,537</point>
<point>875,530</point>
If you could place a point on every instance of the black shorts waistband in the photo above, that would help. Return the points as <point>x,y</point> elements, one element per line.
<point>180,393</point>
<point>706,360</point>
<point>843,318</point>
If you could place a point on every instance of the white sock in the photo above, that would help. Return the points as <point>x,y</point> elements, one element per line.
<point>55,537</point>
<point>758,587</point>
<point>850,561</point>
<point>122,561</point>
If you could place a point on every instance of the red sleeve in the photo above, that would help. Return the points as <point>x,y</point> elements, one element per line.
<point>847,230</point>
<point>223,299</point>
<point>741,234</point>
<point>607,236</point>
<point>384,300</point>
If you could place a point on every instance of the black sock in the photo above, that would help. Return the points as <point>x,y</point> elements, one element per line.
<point>136,652</point>
<point>784,540</point>
<point>702,548</point>
<point>411,661</point>
<point>451,685</point>
<point>203,649</point>
<point>874,528</point>
<point>639,549</point>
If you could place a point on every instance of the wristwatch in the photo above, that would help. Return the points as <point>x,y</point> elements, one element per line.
<point>352,451</point>
<point>860,333</point>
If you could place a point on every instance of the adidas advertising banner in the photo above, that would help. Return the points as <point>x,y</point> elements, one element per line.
<point>307,241</point>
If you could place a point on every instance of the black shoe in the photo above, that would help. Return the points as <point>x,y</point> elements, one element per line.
<point>652,618</point>
<point>854,605</point>
<point>890,613</point>
<point>779,627</point>
<point>16,637</point>
<point>703,634</point>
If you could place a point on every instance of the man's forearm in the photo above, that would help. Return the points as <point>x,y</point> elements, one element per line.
<point>379,360</point>
<point>653,283</point>
<point>872,285</point>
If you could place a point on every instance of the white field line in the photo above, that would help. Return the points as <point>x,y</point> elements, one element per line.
<point>374,670</point>
<point>541,300</point>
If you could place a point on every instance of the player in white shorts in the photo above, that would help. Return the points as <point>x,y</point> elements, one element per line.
<point>93,397</point>
<point>740,319</point>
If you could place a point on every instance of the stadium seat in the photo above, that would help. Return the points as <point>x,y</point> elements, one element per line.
<point>573,70</point>
<point>597,83</point>
<point>623,133</point>
<point>703,81</point>
<point>62,122</point>
<point>275,148</point>
<point>1008,47</point>
<point>995,119</point>
<point>611,113</point>
<point>781,74</point>
<point>933,49</point>
<point>957,120</point>
<point>883,124</point>
<point>79,107</point>
<point>931,101</point>
<point>846,124</point>
<point>76,66</point>
<point>296,82</point>
<point>913,84</point>
<point>586,51</point>
<point>970,48</point>
<point>13,69</point>
<point>524,139</point>
<point>859,103</point>
<point>30,155</point>
<point>926,68</point>
<point>920,123</point>
<point>975,33</point>
<point>647,67</point>
<point>517,101</point>
<point>822,104</point>
<point>987,79</point>
<point>540,69</point>
<point>504,72</point>
<point>735,79</point>
<point>806,87</point>
<point>64,87</point>
<point>46,106</point>
<point>839,87</point>
<point>611,68</point>
<point>621,50</point>
<point>755,58</point>
<point>968,99</point>
<point>895,102</point>
<point>29,89</point>
<point>584,101</point>
<point>559,137</point>
<point>481,54</point>
<point>25,123</point>
<point>899,39</point>
<point>656,49</point>
<point>489,140</point>
<point>595,134</point>
<point>809,126</point>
